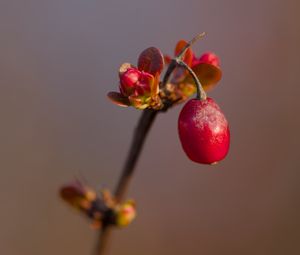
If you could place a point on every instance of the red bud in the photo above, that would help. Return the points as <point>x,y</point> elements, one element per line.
<point>128,80</point>
<point>208,58</point>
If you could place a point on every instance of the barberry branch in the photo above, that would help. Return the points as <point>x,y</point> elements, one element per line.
<point>145,122</point>
<point>142,88</point>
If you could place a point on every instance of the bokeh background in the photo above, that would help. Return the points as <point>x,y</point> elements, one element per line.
<point>59,58</point>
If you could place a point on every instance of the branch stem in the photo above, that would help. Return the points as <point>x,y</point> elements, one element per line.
<point>141,131</point>
<point>189,44</point>
<point>103,240</point>
<point>174,62</point>
<point>145,122</point>
<point>201,95</point>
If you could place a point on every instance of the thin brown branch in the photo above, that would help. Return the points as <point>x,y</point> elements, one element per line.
<point>146,120</point>
<point>140,134</point>
<point>189,44</point>
<point>103,240</point>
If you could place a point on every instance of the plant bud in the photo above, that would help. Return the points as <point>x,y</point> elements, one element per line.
<point>128,80</point>
<point>139,87</point>
<point>85,200</point>
<point>208,58</point>
<point>125,213</point>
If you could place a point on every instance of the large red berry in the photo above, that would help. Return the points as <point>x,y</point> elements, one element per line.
<point>203,131</point>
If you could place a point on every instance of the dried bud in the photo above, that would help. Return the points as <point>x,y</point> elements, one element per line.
<point>102,211</point>
<point>125,213</point>
<point>85,200</point>
<point>77,195</point>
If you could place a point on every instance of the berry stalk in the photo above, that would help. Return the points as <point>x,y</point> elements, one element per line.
<point>174,61</point>
<point>201,95</point>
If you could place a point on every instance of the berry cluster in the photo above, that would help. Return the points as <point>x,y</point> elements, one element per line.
<point>203,128</point>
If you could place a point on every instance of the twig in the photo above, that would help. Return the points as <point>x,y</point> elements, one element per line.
<point>103,240</point>
<point>179,57</point>
<point>140,134</point>
<point>145,122</point>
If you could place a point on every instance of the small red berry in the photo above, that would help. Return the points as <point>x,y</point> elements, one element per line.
<point>203,131</point>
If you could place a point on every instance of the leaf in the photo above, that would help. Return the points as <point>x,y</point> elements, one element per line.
<point>188,56</point>
<point>181,72</point>
<point>118,99</point>
<point>151,60</point>
<point>167,59</point>
<point>155,86</point>
<point>208,75</point>
<point>138,102</point>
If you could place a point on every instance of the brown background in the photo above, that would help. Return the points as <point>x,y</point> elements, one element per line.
<point>59,58</point>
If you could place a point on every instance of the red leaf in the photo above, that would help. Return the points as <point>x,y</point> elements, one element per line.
<point>209,75</point>
<point>167,59</point>
<point>188,56</point>
<point>180,72</point>
<point>151,60</point>
<point>118,99</point>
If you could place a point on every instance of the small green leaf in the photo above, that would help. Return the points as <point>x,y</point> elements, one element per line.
<point>118,99</point>
<point>151,60</point>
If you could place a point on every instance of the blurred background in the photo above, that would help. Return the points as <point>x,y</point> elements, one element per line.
<point>59,58</point>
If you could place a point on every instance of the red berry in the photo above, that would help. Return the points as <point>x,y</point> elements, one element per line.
<point>203,131</point>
